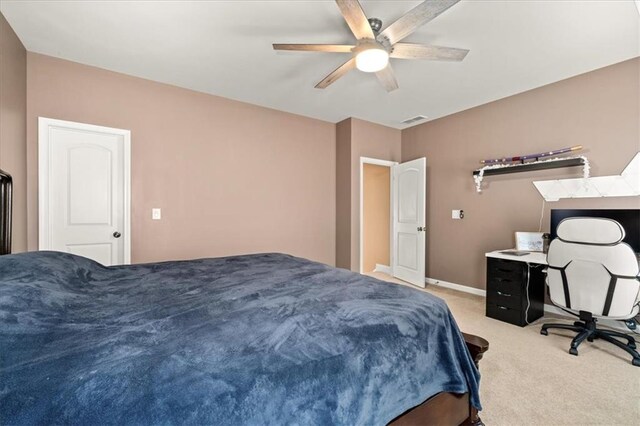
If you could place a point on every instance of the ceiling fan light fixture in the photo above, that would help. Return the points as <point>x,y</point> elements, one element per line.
<point>372,58</point>
<point>373,48</point>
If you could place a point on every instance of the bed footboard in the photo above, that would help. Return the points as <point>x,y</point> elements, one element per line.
<point>448,408</point>
<point>477,347</point>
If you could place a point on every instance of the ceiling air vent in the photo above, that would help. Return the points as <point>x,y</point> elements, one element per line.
<point>414,119</point>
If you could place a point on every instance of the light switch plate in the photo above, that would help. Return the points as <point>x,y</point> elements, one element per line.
<point>156,214</point>
<point>457,214</point>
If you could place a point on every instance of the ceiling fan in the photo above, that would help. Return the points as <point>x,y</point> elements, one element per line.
<point>373,48</point>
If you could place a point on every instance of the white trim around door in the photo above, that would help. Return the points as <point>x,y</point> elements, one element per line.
<point>45,125</point>
<point>377,162</point>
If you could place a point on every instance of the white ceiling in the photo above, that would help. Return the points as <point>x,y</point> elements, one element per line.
<point>224,48</point>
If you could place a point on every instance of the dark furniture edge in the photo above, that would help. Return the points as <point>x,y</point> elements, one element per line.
<point>448,408</point>
<point>5,212</point>
<point>477,346</point>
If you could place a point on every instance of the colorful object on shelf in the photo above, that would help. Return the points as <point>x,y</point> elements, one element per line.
<point>523,158</point>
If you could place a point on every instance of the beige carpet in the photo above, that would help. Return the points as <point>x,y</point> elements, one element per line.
<point>530,379</point>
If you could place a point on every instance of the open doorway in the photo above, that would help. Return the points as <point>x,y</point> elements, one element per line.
<point>392,218</point>
<point>375,215</point>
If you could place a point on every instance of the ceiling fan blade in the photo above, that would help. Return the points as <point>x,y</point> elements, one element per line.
<point>356,19</point>
<point>337,48</point>
<point>337,73</point>
<point>415,18</point>
<point>387,77</point>
<point>423,51</point>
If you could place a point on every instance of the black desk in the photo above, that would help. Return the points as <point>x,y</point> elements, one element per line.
<point>515,287</point>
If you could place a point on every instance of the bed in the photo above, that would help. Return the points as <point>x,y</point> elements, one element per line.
<point>253,339</point>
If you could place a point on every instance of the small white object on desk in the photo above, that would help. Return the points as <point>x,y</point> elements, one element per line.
<point>529,241</point>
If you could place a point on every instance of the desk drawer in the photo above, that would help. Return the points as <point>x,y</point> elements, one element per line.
<point>504,285</point>
<point>504,264</point>
<point>503,298</point>
<point>505,269</point>
<point>504,313</point>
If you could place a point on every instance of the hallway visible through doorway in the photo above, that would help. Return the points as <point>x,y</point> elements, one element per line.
<point>376,216</point>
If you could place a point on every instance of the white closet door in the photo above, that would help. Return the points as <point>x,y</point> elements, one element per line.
<point>408,245</point>
<point>84,194</point>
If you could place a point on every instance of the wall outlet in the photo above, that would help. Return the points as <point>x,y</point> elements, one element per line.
<point>457,214</point>
<point>156,214</point>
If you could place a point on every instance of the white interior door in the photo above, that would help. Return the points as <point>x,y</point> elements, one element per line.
<point>408,243</point>
<point>84,190</point>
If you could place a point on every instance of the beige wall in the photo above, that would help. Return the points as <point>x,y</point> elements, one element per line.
<point>230,177</point>
<point>354,139</point>
<point>343,194</point>
<point>13,137</point>
<point>376,215</point>
<point>599,110</point>
<point>373,141</point>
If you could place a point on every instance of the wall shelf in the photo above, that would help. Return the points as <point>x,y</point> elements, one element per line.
<point>528,167</point>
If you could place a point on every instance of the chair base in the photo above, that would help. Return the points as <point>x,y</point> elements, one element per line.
<point>587,330</point>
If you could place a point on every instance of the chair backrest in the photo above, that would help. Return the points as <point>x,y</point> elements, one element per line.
<point>591,269</point>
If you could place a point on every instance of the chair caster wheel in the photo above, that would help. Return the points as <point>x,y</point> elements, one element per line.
<point>631,324</point>
<point>636,362</point>
<point>573,351</point>
<point>632,345</point>
<point>544,332</point>
<point>590,339</point>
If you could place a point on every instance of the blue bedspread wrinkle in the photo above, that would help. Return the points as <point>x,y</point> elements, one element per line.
<point>266,339</point>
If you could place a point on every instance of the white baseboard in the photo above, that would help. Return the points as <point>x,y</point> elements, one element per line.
<point>385,269</point>
<point>459,287</point>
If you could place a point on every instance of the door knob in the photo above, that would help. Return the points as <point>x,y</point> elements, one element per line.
<point>117,234</point>
<point>422,228</point>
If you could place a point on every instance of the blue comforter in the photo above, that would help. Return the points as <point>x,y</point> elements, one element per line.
<point>257,339</point>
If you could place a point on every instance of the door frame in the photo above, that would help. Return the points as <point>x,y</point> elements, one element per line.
<point>44,125</point>
<point>376,162</point>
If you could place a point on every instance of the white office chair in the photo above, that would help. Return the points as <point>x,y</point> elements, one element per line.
<point>592,274</point>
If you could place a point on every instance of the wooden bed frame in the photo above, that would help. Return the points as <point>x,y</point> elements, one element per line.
<point>447,408</point>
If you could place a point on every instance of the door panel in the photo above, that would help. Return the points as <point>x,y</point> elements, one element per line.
<point>408,201</point>
<point>85,186</point>
<point>90,176</point>
<point>408,250</point>
<point>408,245</point>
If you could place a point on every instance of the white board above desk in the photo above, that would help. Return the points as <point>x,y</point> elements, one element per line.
<point>533,256</point>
